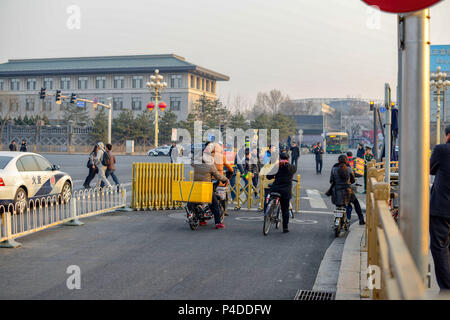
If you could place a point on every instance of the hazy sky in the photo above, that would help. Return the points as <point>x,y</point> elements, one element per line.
<point>305,48</point>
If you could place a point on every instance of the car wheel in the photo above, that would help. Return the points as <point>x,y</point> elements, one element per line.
<point>66,192</point>
<point>160,153</point>
<point>20,200</point>
<point>151,154</point>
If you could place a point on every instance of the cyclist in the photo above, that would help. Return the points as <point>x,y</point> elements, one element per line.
<point>342,194</point>
<point>283,186</point>
<point>220,161</point>
<point>204,172</point>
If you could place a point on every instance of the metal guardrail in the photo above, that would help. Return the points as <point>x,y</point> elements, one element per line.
<point>43,213</point>
<point>152,185</point>
<point>400,278</point>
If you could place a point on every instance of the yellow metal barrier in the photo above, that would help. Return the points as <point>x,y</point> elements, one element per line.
<point>152,185</point>
<point>386,247</point>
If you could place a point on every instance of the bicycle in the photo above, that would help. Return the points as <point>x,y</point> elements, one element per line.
<point>340,221</point>
<point>272,213</point>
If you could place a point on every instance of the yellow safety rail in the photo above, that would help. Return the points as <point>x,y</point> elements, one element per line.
<point>152,185</point>
<point>386,247</point>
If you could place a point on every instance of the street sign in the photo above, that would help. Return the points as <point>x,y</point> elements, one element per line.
<point>383,109</point>
<point>81,104</point>
<point>401,6</point>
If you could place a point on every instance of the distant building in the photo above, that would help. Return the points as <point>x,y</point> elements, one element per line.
<point>123,78</point>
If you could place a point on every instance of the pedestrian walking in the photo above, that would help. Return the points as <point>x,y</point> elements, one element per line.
<point>318,151</point>
<point>173,152</point>
<point>93,170</point>
<point>111,168</point>
<point>295,154</point>
<point>13,146</point>
<point>23,146</point>
<point>102,161</point>
<point>440,213</point>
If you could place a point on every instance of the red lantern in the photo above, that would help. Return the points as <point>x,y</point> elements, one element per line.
<point>162,106</point>
<point>150,106</point>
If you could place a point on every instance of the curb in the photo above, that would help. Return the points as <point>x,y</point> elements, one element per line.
<point>349,280</point>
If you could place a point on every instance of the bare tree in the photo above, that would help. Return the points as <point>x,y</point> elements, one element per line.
<point>270,102</point>
<point>10,102</point>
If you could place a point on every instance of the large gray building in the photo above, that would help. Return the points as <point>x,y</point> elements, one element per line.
<point>123,78</point>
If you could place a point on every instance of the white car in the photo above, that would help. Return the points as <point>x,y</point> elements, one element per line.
<point>26,175</point>
<point>160,151</point>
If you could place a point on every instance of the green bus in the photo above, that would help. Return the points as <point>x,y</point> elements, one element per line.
<point>336,142</point>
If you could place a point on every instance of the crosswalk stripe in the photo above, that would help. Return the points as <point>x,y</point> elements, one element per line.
<point>315,199</point>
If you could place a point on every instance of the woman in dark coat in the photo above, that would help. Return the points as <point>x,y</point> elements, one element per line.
<point>341,193</point>
<point>93,170</point>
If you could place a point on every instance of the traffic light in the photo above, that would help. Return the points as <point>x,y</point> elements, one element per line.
<point>42,94</point>
<point>58,96</point>
<point>371,105</point>
<point>73,98</point>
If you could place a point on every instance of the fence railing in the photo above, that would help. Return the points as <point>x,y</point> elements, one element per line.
<point>152,185</point>
<point>152,188</point>
<point>386,248</point>
<point>39,214</point>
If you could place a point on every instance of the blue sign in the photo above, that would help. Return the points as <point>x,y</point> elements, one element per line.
<point>81,104</point>
<point>383,109</point>
<point>440,56</point>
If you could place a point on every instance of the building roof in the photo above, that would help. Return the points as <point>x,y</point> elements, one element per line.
<point>105,64</point>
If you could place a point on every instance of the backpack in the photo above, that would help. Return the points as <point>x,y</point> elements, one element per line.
<point>106,159</point>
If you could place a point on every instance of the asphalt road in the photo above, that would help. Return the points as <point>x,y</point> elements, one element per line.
<point>154,255</point>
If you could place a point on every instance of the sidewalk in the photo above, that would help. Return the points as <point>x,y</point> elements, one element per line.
<point>352,274</point>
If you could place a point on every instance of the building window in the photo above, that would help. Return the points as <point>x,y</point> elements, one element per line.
<point>136,103</point>
<point>208,85</point>
<point>100,83</point>
<point>29,104</point>
<point>175,81</point>
<point>175,104</point>
<point>198,83</point>
<point>117,104</point>
<point>118,82</point>
<point>203,84</point>
<point>15,84</point>
<point>48,83</point>
<point>138,82</point>
<point>213,86</point>
<point>82,82</point>
<point>31,84</point>
<point>47,106</point>
<point>65,83</point>
<point>192,82</point>
<point>2,85</point>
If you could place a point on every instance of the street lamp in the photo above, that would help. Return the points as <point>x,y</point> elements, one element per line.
<point>439,82</point>
<point>156,85</point>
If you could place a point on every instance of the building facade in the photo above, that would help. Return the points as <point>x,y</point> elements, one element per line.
<point>123,78</point>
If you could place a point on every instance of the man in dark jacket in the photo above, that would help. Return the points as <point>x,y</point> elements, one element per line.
<point>295,154</point>
<point>440,212</point>
<point>360,151</point>
<point>318,151</point>
<point>13,146</point>
<point>283,186</point>
<point>23,147</point>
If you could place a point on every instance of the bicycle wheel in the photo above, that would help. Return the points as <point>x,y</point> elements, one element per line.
<point>337,228</point>
<point>268,216</point>
<point>277,218</point>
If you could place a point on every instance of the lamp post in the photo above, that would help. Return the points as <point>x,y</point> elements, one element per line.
<point>439,82</point>
<point>156,86</point>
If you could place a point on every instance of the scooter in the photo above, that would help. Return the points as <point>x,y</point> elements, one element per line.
<point>340,221</point>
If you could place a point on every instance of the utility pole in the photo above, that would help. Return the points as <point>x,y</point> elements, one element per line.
<point>387,135</point>
<point>415,136</point>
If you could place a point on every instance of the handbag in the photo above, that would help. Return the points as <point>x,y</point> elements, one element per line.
<point>89,163</point>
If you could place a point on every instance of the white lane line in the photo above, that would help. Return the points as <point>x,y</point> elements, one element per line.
<point>319,212</point>
<point>315,199</point>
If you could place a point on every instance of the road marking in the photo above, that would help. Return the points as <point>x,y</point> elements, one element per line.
<point>315,199</point>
